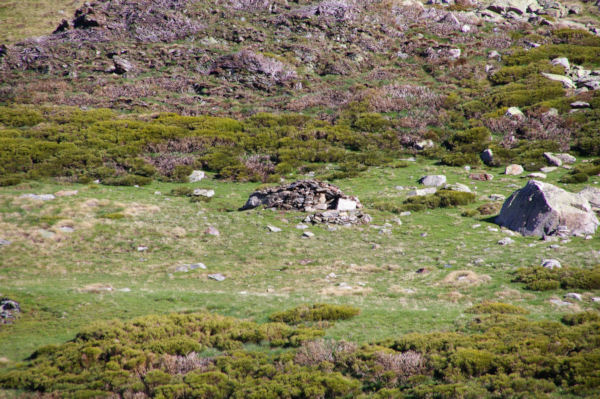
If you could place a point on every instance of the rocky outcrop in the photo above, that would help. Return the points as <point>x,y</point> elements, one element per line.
<point>303,195</point>
<point>544,209</point>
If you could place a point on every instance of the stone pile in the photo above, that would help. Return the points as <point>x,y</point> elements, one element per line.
<point>338,217</point>
<point>331,205</point>
<point>8,310</point>
<point>303,195</point>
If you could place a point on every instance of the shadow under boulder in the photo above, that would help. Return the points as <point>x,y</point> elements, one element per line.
<point>542,209</point>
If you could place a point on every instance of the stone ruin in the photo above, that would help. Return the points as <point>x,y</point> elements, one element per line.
<point>8,310</point>
<point>328,203</point>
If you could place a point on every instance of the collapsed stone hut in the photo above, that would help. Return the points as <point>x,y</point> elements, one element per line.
<point>303,195</point>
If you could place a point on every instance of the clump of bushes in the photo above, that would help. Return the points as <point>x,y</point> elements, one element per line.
<point>539,278</point>
<point>441,199</point>
<point>496,308</point>
<point>315,312</point>
<point>498,354</point>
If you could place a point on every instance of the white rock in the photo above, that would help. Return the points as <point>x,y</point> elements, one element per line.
<point>551,264</point>
<point>217,277</point>
<point>513,170</point>
<point>196,176</point>
<point>201,192</point>
<point>433,180</point>
<point>574,295</point>
<point>562,61</point>
<point>273,229</point>
<point>422,191</point>
<point>514,112</point>
<point>506,241</point>
<point>566,82</point>
<point>308,234</point>
<point>537,175</point>
<point>346,205</point>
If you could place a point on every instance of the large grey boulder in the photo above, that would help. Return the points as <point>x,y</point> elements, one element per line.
<point>592,194</point>
<point>541,208</point>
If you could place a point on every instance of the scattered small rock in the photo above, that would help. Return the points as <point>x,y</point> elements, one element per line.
<point>548,169</point>
<point>513,170</point>
<point>39,197</point>
<point>506,241</point>
<point>66,193</point>
<point>422,191</point>
<point>212,231</point>
<point>433,180</point>
<point>552,160</point>
<point>551,264</point>
<point>514,112</point>
<point>4,242</point>
<point>273,229</point>
<point>201,192</point>
<point>217,277</point>
<point>497,197</point>
<point>559,302</point>
<point>536,175</point>
<point>196,176</point>
<point>308,234</point>
<point>573,295</point>
<point>580,104</point>
<point>481,176</point>
<point>142,248</point>
<point>487,157</point>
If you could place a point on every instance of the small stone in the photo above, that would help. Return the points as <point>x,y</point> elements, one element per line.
<point>331,275</point>
<point>573,295</point>
<point>66,193</point>
<point>487,157</point>
<point>273,229</point>
<point>492,229</point>
<point>475,226</point>
<point>217,277</point>
<point>301,226</point>
<point>4,242</point>
<point>142,248</point>
<point>494,54</point>
<point>46,233</point>
<point>212,231</point>
<point>513,170</point>
<point>121,65</point>
<point>562,61</point>
<point>580,104</point>
<point>196,176</point>
<point>126,289</point>
<point>39,197</point>
<point>423,144</point>
<point>481,176</point>
<point>423,234</point>
<point>467,168</point>
<point>454,53</point>
<point>433,180</point>
<point>548,169</point>
<point>198,265</point>
<point>405,213</point>
<point>375,246</point>
<point>514,112</point>
<point>506,241</point>
<point>458,187</point>
<point>66,229</point>
<point>596,299</point>
<point>558,302</point>
<point>552,160</point>
<point>497,197</point>
<point>422,192</point>
<point>422,270</point>
<point>201,192</point>
<point>536,175</point>
<point>566,158</point>
<point>554,246</point>
<point>157,193</point>
<point>551,264</point>
<point>308,234</point>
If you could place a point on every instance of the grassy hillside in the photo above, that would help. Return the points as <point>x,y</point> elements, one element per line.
<point>117,273</point>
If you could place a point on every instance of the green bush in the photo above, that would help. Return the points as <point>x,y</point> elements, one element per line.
<point>575,178</point>
<point>127,180</point>
<point>315,312</point>
<point>581,318</point>
<point>541,279</point>
<point>496,307</point>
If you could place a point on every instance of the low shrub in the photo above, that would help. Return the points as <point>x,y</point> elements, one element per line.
<point>127,180</point>
<point>541,279</point>
<point>315,312</point>
<point>581,318</point>
<point>497,308</point>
